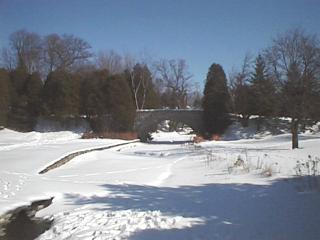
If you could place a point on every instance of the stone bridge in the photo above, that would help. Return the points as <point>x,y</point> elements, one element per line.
<point>146,121</point>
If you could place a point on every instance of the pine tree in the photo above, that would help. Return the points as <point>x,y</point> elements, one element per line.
<point>240,91</point>
<point>216,101</point>
<point>243,100</point>
<point>263,92</point>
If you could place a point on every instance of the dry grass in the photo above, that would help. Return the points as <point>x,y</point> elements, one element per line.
<point>198,139</point>
<point>267,171</point>
<point>111,135</point>
<point>216,137</point>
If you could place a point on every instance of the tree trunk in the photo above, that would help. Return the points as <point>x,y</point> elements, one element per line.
<point>294,131</point>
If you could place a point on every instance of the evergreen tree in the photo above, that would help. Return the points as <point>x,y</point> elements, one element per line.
<point>33,88</point>
<point>26,100</point>
<point>18,78</point>
<point>4,96</point>
<point>93,99</point>
<point>241,91</point>
<point>92,95</point>
<point>216,101</point>
<point>243,100</point>
<point>61,94</point>
<point>119,103</point>
<point>263,101</point>
<point>18,117</point>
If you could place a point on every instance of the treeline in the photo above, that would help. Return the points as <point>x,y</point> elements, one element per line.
<point>59,75</point>
<point>282,81</point>
<point>103,98</point>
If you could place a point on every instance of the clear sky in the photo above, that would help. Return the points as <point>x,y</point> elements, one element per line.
<point>200,31</point>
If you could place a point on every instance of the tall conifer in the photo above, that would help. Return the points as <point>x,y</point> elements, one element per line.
<point>216,101</point>
<point>263,90</point>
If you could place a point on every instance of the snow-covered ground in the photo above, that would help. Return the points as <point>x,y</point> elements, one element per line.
<point>244,189</point>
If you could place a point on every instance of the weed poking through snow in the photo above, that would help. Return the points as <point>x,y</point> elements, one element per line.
<point>309,167</point>
<point>308,170</point>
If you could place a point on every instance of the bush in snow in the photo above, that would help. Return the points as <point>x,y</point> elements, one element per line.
<point>309,167</point>
<point>239,166</point>
<point>269,170</point>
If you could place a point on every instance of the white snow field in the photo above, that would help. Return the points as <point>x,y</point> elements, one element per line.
<point>243,189</point>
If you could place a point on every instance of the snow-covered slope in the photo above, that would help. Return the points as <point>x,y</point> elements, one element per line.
<point>23,155</point>
<point>245,189</point>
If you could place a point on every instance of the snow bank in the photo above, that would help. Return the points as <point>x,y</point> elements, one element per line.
<point>10,139</point>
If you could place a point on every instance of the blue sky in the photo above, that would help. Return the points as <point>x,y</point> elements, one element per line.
<point>201,31</point>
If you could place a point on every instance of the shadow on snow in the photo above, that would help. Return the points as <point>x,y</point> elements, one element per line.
<point>285,209</point>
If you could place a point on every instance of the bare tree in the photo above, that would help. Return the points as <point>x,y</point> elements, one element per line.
<point>141,79</point>
<point>8,59</point>
<point>130,62</point>
<point>196,96</point>
<point>52,46</point>
<point>66,51</point>
<point>111,61</point>
<point>27,48</point>
<point>294,59</point>
<point>176,79</point>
